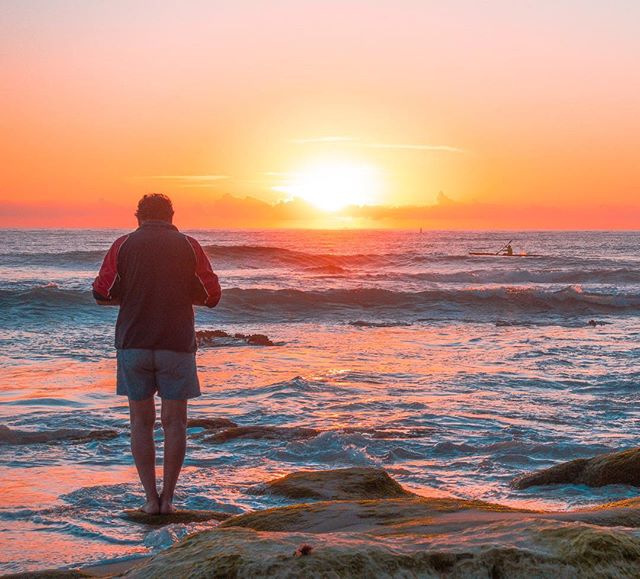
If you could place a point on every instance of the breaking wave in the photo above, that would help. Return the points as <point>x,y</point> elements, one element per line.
<point>274,303</point>
<point>409,266</point>
<point>570,300</point>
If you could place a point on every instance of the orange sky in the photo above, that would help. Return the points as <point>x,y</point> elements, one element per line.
<point>524,114</point>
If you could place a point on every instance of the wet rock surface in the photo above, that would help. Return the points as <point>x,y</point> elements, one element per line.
<point>401,536</point>
<point>179,517</point>
<point>404,536</point>
<point>261,432</point>
<point>210,423</point>
<point>220,338</point>
<point>615,468</point>
<point>337,484</point>
<point>50,574</point>
<point>14,436</point>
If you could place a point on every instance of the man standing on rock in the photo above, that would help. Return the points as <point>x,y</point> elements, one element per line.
<point>156,274</point>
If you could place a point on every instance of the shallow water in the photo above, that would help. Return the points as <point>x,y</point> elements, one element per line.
<point>482,367</point>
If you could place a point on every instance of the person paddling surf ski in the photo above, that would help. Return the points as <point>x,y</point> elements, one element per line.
<point>508,250</point>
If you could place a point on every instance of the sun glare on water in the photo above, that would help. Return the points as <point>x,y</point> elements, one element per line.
<point>332,186</point>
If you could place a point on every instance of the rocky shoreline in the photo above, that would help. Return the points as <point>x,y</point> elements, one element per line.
<point>360,522</point>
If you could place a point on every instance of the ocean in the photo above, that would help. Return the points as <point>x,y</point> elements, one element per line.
<point>455,373</point>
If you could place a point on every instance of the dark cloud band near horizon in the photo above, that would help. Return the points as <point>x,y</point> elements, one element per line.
<point>232,212</point>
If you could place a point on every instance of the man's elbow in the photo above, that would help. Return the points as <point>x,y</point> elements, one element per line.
<point>214,299</point>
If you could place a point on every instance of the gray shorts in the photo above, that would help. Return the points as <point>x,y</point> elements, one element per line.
<point>142,373</point>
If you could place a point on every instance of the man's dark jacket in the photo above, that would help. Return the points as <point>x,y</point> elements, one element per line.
<point>157,274</point>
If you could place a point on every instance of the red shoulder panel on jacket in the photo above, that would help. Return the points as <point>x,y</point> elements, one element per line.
<point>108,274</point>
<point>205,275</point>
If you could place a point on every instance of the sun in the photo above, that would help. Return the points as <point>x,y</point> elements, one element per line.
<point>330,186</point>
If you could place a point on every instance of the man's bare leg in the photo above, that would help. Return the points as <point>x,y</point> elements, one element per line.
<point>174,424</point>
<point>143,418</point>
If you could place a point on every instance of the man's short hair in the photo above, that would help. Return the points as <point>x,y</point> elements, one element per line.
<point>155,206</point>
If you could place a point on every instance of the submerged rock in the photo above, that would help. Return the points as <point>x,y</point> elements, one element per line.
<point>262,432</point>
<point>616,468</point>
<point>368,324</point>
<point>388,433</point>
<point>595,323</point>
<point>335,484</point>
<point>10,436</point>
<point>226,430</point>
<point>210,423</point>
<point>180,516</point>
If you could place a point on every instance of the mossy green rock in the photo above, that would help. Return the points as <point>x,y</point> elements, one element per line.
<point>399,538</point>
<point>616,468</point>
<point>335,484</point>
<point>403,536</point>
<point>411,514</point>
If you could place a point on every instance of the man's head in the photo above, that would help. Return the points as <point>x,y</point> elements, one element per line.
<point>155,206</point>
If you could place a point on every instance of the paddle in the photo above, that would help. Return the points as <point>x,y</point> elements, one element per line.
<point>504,247</point>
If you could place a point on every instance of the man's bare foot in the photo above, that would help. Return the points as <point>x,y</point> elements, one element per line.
<point>151,507</point>
<point>166,506</point>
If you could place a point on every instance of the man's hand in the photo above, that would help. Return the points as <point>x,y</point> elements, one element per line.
<point>112,302</point>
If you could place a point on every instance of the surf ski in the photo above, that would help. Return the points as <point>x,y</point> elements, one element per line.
<point>505,254</point>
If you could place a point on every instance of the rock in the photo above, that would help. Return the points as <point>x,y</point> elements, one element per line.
<point>10,436</point>
<point>208,334</point>
<point>256,339</point>
<point>625,513</point>
<point>222,338</point>
<point>405,515</point>
<point>262,432</point>
<point>367,324</point>
<point>402,537</point>
<point>303,550</point>
<point>181,517</point>
<point>210,423</point>
<point>50,574</point>
<point>384,433</point>
<point>616,468</point>
<point>335,484</point>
